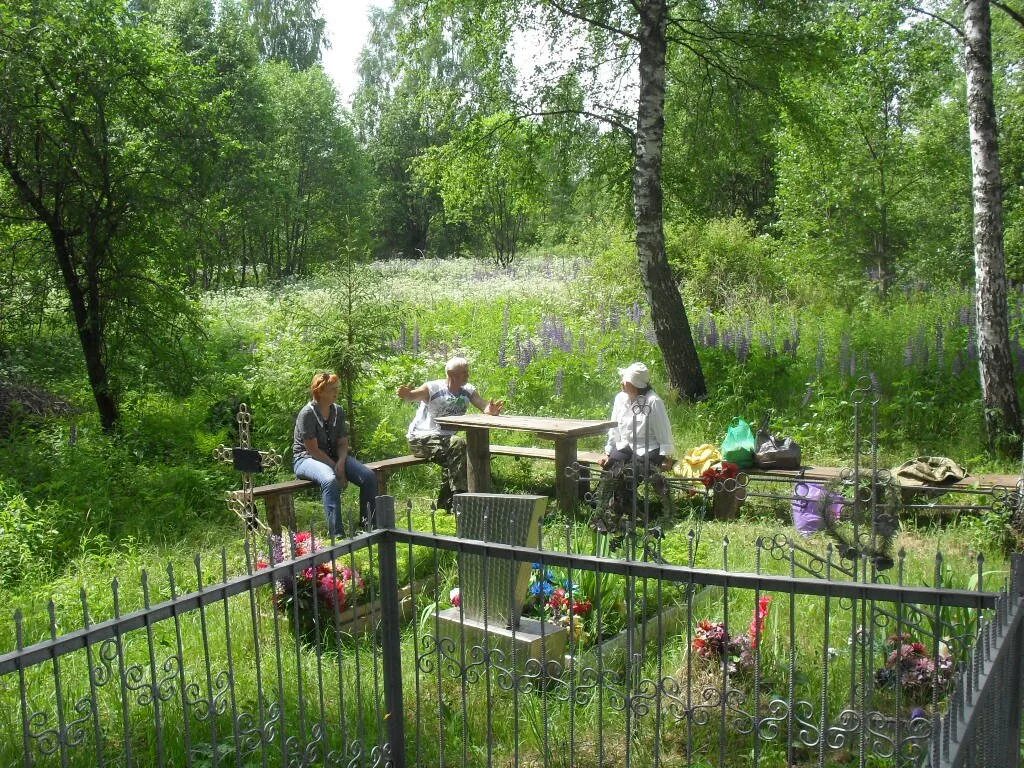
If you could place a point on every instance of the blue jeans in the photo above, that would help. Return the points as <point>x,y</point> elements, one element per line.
<point>357,473</point>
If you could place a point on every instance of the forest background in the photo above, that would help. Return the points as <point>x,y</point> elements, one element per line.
<point>189,220</point>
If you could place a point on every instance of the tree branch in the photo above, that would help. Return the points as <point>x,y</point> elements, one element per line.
<point>1015,15</point>
<point>561,8</point>
<point>959,32</point>
<point>584,113</point>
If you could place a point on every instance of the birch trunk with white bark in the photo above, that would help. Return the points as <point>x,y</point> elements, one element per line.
<point>668,316</point>
<point>995,362</point>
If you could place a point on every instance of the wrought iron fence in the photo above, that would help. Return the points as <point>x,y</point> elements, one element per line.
<point>618,660</point>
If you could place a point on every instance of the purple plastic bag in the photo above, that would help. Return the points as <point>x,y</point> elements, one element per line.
<point>809,502</point>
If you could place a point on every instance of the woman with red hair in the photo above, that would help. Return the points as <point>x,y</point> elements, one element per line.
<point>320,452</point>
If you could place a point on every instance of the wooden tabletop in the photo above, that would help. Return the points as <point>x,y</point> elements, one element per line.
<point>541,425</point>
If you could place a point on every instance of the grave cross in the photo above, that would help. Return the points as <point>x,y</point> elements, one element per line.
<point>249,462</point>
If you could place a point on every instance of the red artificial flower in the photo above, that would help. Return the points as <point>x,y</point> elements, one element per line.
<point>756,631</point>
<point>559,599</point>
<point>582,608</point>
<point>724,470</point>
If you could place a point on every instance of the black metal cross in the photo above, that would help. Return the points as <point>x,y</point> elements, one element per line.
<point>249,462</point>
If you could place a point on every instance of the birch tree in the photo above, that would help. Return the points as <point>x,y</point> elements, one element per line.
<point>995,363</point>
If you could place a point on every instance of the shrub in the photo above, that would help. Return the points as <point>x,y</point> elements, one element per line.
<point>27,537</point>
<point>721,263</point>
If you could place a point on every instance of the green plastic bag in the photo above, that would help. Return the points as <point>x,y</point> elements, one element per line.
<point>739,445</point>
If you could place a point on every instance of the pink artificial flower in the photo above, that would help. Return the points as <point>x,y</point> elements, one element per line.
<point>455,596</point>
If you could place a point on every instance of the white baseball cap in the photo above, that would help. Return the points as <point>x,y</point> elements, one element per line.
<point>636,374</point>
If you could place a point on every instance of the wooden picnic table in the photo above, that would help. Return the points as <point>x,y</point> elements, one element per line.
<point>564,432</point>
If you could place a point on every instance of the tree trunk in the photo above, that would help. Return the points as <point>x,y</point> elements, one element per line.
<point>995,362</point>
<point>671,326</point>
<point>89,325</point>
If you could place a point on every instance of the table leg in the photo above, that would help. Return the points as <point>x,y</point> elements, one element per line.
<point>478,460</point>
<point>566,487</point>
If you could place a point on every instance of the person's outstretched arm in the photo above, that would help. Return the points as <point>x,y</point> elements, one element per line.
<point>490,407</point>
<point>419,394</point>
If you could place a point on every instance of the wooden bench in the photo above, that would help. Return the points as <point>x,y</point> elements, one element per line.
<point>277,497</point>
<point>280,508</point>
<point>982,483</point>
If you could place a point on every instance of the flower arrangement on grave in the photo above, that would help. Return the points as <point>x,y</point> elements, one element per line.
<point>718,473</point>
<point>325,587</point>
<point>559,600</point>
<point>713,643</point>
<point>910,666</point>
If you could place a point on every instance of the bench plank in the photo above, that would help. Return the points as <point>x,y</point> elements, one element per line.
<point>527,452</point>
<point>983,482</point>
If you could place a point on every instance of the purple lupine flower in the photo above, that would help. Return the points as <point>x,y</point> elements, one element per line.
<point>844,354</point>
<point>416,339</point>
<point>698,332</point>
<point>554,334</point>
<point>742,346</point>
<point>712,331</point>
<point>523,354</point>
<point>768,345</point>
<point>614,318</point>
<point>559,382</point>
<point>908,354</point>
<point>794,334</point>
<point>853,364</point>
<point>967,317</point>
<point>972,346</point>
<point>727,340</point>
<point>403,338</point>
<point>502,353</point>
<point>635,313</point>
<point>921,347</point>
<point>875,386</point>
<point>940,359</point>
<point>650,335</point>
<point>958,364</point>
<point>512,390</point>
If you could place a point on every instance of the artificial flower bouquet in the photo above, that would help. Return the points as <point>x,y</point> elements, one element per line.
<point>713,643</point>
<point>324,588</point>
<point>909,666</point>
<point>558,600</point>
<point>715,476</point>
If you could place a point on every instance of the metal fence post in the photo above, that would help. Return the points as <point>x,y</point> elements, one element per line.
<point>391,642</point>
<point>1015,674</point>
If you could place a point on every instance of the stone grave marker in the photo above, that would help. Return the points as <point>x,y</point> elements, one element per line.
<point>492,589</point>
<point>489,588</point>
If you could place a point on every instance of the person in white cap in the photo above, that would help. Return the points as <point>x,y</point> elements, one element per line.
<point>642,434</point>
<point>449,396</point>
